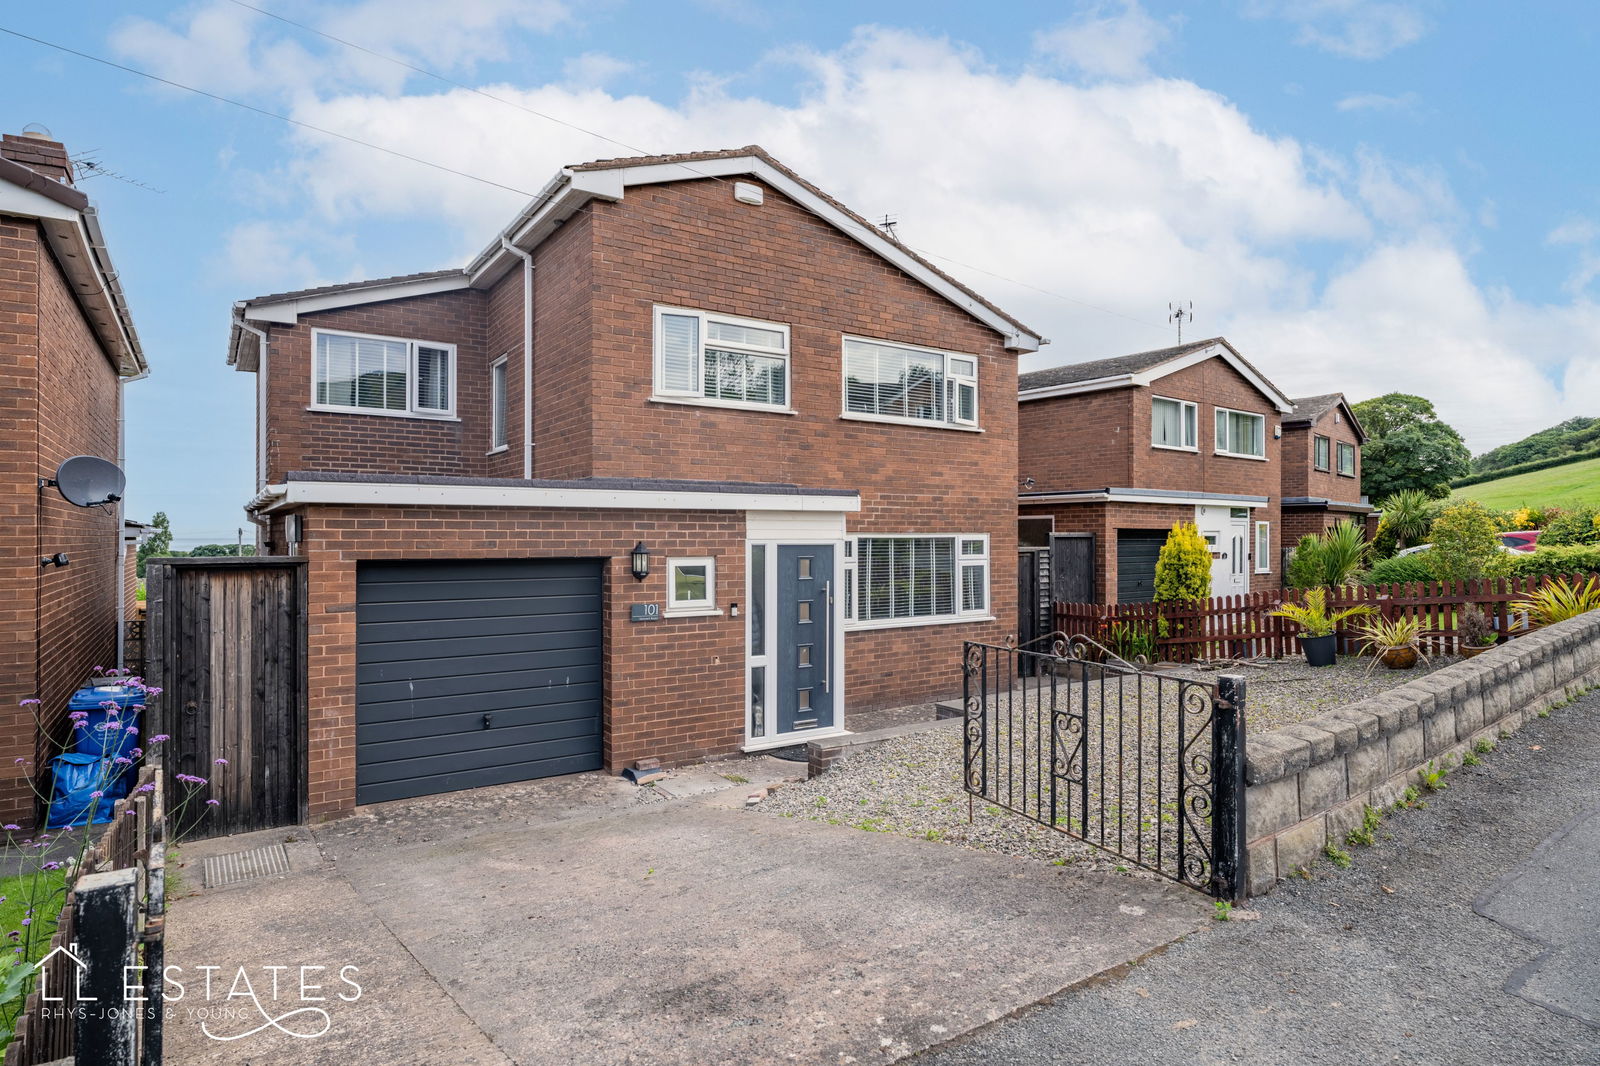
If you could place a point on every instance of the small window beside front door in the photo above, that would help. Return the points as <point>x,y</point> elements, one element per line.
<point>691,584</point>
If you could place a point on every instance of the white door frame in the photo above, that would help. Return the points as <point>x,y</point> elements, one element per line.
<point>768,663</point>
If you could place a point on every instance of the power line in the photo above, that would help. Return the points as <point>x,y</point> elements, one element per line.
<point>1035,288</point>
<point>262,111</point>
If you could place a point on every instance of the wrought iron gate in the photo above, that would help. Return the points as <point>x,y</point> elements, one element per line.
<point>1146,766</point>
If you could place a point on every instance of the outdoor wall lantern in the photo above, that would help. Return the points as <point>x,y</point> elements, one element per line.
<point>641,561</point>
<point>58,559</point>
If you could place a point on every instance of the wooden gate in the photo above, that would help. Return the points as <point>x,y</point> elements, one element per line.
<point>225,642</point>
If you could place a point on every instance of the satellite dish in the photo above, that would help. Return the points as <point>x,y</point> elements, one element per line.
<point>89,481</point>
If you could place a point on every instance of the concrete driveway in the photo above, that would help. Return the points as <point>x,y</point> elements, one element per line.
<point>582,920</point>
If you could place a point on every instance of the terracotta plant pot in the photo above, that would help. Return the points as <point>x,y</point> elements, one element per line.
<point>1399,658</point>
<point>1469,650</point>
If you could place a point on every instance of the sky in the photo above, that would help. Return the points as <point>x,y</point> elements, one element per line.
<point>1363,195</point>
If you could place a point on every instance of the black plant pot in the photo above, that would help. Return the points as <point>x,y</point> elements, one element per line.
<point>1319,650</point>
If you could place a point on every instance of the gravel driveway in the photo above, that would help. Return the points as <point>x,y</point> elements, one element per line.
<point>1384,962</point>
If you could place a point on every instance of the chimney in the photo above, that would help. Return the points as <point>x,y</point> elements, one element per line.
<point>34,149</point>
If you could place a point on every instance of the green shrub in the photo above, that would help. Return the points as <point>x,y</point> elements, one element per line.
<point>1555,561</point>
<point>1183,569</point>
<point>1407,516</point>
<point>1401,570</point>
<point>1574,526</point>
<point>1329,559</point>
<point>1466,543</point>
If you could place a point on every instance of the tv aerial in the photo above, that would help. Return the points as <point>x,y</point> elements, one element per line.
<point>88,481</point>
<point>1177,312</point>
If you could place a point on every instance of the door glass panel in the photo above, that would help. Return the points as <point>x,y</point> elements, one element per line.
<point>803,607</point>
<point>805,568</point>
<point>805,699</point>
<point>805,655</point>
<point>758,701</point>
<point>758,599</point>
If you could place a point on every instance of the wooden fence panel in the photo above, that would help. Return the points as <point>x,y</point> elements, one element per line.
<point>227,646</point>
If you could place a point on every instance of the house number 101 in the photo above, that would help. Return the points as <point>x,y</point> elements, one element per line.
<point>645,612</point>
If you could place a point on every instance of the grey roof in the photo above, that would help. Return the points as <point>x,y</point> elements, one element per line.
<point>296,294</point>
<point>1116,366</point>
<point>1304,503</point>
<point>1186,494</point>
<point>1308,409</point>
<point>599,484</point>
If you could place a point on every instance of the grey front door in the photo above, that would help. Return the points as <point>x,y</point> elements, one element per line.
<point>806,670</point>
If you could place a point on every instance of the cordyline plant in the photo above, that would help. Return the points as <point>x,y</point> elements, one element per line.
<point>48,862</point>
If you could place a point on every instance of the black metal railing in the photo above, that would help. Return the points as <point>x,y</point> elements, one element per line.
<point>1146,766</point>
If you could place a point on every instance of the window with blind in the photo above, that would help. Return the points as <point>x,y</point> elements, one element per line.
<point>497,405</point>
<point>902,384</point>
<point>916,579</point>
<point>1319,458</point>
<point>1241,433</point>
<point>382,375</point>
<point>1174,423</point>
<point>718,359</point>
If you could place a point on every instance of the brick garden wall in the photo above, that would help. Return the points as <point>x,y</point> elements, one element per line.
<point>1309,784</point>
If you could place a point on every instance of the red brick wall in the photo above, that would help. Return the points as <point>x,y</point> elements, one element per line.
<point>1300,476</point>
<point>300,439</point>
<point>674,688</point>
<point>59,399</point>
<point>1078,442</point>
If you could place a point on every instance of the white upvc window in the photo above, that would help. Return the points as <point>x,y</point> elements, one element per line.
<point>1347,459</point>
<point>497,405</point>
<point>1174,424</point>
<point>888,382</point>
<point>691,585</point>
<point>1319,455</point>
<point>1241,433</point>
<point>704,357</point>
<point>382,375</point>
<point>915,580</point>
<point>1263,547</point>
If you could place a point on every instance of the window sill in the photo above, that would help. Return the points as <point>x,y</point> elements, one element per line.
<point>922,423</point>
<point>726,405</point>
<point>1352,477</point>
<point>693,612</point>
<point>1240,455</point>
<point>907,623</point>
<point>1321,470</point>
<point>1175,448</point>
<point>421,416</point>
<point>499,450</point>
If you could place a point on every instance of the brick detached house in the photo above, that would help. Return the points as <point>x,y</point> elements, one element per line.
<point>1112,452</point>
<point>1322,442</point>
<point>690,459</point>
<point>67,345</point>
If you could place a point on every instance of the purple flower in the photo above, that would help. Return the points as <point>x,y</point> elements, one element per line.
<point>10,829</point>
<point>52,866</point>
<point>96,795</point>
<point>123,761</point>
<point>131,813</point>
<point>20,760</point>
<point>28,703</point>
<point>151,787</point>
<point>131,730</point>
<point>222,762</point>
<point>213,803</point>
<point>27,921</point>
<point>159,737</point>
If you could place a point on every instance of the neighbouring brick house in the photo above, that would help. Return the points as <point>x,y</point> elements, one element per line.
<point>1322,442</point>
<point>67,344</point>
<point>809,429</point>
<point>1112,452</point>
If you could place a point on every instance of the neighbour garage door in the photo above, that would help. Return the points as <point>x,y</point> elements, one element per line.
<point>475,673</point>
<point>1136,564</point>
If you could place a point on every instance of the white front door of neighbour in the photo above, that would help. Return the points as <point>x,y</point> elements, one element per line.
<point>1226,531</point>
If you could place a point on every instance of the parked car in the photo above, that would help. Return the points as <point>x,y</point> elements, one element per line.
<point>1521,540</point>
<point>1504,546</point>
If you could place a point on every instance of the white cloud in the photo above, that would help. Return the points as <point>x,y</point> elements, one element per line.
<point>265,256</point>
<point>593,70</point>
<point>1582,234</point>
<point>1120,195</point>
<point>1402,102</point>
<point>1355,29</point>
<point>1105,40</point>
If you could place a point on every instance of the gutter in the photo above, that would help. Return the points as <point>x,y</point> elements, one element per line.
<point>527,354</point>
<point>261,390</point>
<point>112,286</point>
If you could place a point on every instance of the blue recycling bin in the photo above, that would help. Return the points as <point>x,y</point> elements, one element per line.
<point>77,777</point>
<point>104,734</point>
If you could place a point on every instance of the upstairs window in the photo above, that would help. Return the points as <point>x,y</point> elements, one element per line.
<point>497,405</point>
<point>382,375</point>
<point>896,383</point>
<point>1241,433</point>
<point>716,359</point>
<point>1347,459</point>
<point>1320,457</point>
<point>1174,424</point>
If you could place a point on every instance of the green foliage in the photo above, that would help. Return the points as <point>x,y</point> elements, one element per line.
<point>1408,447</point>
<point>1379,635</point>
<point>1548,445</point>
<point>159,542</point>
<point>1183,569</point>
<point>1574,526</point>
<point>1555,561</point>
<point>1130,641</point>
<point>1474,628</point>
<point>1401,570</point>
<point>1331,558</point>
<point>1366,834</point>
<point>1560,600</point>
<point>1574,482</point>
<point>1483,746</point>
<point>1433,777</point>
<point>1466,543</point>
<point>1221,910</point>
<point>208,551</point>
<point>1337,855</point>
<point>1313,616</point>
<point>1407,517</point>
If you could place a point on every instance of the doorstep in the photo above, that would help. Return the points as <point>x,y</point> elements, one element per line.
<point>824,753</point>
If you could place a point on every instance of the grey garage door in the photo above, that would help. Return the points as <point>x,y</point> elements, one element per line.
<point>475,673</point>
<point>1137,550</point>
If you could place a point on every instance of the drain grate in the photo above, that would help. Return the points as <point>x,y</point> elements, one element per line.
<point>237,866</point>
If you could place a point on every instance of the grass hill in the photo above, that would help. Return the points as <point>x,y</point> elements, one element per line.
<point>1570,483</point>
<point>1573,435</point>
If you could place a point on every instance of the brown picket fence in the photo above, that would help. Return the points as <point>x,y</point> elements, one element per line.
<point>1243,627</point>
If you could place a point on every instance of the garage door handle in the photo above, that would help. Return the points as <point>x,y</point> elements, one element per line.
<point>488,719</point>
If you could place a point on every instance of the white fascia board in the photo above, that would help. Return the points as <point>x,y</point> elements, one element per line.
<point>1265,387</point>
<point>561,198</point>
<point>25,203</point>
<point>1072,388</point>
<point>1131,497</point>
<point>288,312</point>
<point>296,493</point>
